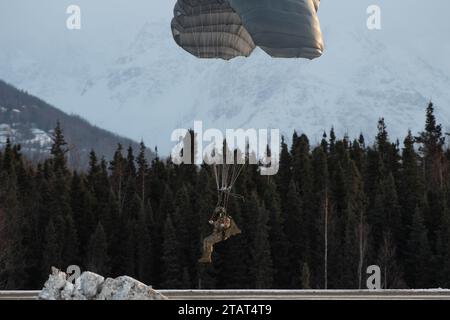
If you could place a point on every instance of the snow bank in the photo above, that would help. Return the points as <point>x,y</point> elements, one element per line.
<point>91,286</point>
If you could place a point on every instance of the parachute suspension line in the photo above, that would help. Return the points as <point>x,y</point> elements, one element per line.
<point>224,28</point>
<point>238,31</point>
<point>211,26</point>
<point>218,178</point>
<point>194,33</point>
<point>224,176</point>
<point>236,174</point>
<point>216,175</point>
<point>215,23</point>
<point>226,186</point>
<point>220,27</point>
<point>224,191</point>
<point>237,169</point>
<point>202,32</point>
<point>233,42</point>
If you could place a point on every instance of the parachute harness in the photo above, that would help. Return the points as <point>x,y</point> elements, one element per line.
<point>226,176</point>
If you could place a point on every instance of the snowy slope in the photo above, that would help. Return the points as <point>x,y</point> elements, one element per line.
<point>138,83</point>
<point>30,122</point>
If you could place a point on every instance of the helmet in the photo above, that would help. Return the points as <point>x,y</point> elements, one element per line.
<point>220,210</point>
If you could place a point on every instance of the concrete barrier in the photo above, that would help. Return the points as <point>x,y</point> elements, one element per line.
<point>432,294</point>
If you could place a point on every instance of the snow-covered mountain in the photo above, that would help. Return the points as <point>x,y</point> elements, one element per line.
<point>30,122</point>
<point>127,74</point>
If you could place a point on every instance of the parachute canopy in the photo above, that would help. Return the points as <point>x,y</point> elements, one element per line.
<point>210,29</point>
<point>230,28</point>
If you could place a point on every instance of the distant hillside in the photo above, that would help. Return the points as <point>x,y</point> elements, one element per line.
<point>30,121</point>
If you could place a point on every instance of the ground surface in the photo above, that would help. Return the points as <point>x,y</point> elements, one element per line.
<point>432,294</point>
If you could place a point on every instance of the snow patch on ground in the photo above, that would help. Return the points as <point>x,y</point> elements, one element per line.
<point>35,137</point>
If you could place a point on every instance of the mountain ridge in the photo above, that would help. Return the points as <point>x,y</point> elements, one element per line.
<point>29,121</point>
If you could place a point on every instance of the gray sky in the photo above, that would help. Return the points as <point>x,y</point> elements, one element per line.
<point>40,25</point>
<point>37,29</point>
<point>48,60</point>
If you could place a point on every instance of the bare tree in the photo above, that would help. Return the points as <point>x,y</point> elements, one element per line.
<point>2,239</point>
<point>392,276</point>
<point>363,232</point>
<point>326,217</point>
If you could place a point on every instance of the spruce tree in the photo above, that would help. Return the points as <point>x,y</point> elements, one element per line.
<point>94,168</point>
<point>51,250</point>
<point>393,219</point>
<point>279,244</point>
<point>358,154</point>
<point>144,248</point>
<point>284,173</point>
<point>418,254</point>
<point>411,186</point>
<point>12,264</point>
<point>295,233</point>
<point>166,208</point>
<point>320,233</point>
<point>117,178</point>
<point>356,232</point>
<point>431,142</point>
<point>183,217</point>
<point>261,267</point>
<point>131,200</point>
<point>332,140</point>
<point>98,260</point>
<point>129,249</point>
<point>70,247</point>
<point>142,172</point>
<point>59,149</point>
<point>172,271</point>
<point>302,175</point>
<point>382,139</point>
<point>81,202</point>
<point>431,138</point>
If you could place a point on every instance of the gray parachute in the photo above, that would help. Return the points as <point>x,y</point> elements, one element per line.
<point>229,28</point>
<point>210,29</point>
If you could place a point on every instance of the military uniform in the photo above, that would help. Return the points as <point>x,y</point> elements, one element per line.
<point>224,228</point>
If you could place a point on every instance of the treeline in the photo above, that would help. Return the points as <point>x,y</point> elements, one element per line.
<point>331,211</point>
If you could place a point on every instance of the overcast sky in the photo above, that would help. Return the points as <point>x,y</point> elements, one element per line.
<point>40,25</point>
<point>37,28</point>
<point>33,33</point>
